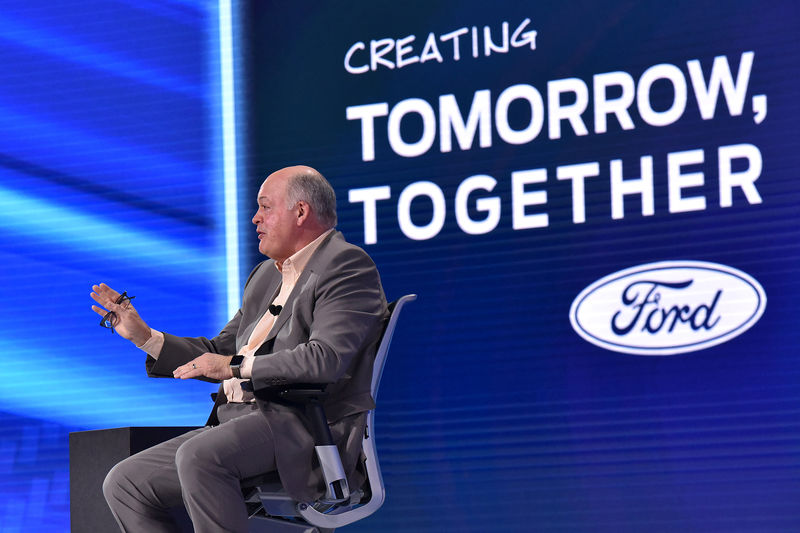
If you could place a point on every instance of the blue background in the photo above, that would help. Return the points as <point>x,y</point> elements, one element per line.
<point>109,171</point>
<point>494,414</point>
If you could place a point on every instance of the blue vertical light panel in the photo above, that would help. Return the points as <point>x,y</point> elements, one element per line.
<point>110,165</point>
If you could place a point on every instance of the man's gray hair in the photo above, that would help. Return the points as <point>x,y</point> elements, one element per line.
<point>311,187</point>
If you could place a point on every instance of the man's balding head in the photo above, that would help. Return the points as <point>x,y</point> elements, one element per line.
<point>295,206</point>
<point>308,185</point>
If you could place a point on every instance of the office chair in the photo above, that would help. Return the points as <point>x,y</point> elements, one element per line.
<point>273,510</point>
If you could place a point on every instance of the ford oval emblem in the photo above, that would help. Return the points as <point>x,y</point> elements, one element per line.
<point>668,307</point>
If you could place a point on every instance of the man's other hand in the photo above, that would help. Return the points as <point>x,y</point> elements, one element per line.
<point>127,322</point>
<point>210,365</point>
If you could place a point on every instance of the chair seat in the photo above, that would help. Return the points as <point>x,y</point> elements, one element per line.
<point>266,490</point>
<point>268,478</point>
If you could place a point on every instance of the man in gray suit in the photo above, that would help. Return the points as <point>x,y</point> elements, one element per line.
<point>312,313</point>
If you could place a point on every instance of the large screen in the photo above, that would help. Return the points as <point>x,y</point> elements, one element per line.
<point>597,204</point>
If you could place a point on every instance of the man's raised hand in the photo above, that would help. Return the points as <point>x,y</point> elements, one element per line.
<point>126,321</point>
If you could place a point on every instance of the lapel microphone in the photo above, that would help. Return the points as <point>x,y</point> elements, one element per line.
<point>275,309</point>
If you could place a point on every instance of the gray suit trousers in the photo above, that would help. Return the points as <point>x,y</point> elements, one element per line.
<point>200,469</point>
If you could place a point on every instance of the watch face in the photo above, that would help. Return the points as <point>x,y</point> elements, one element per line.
<point>237,360</point>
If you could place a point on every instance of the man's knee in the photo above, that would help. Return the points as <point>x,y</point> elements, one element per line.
<point>193,458</point>
<point>117,481</point>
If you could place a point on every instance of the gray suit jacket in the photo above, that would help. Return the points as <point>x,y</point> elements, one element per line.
<point>327,332</point>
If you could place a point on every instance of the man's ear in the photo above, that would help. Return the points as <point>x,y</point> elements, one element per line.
<point>303,212</point>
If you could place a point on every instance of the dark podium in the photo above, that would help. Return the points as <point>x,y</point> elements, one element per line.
<point>91,455</point>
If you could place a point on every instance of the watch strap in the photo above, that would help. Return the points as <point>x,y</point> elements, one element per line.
<point>236,366</point>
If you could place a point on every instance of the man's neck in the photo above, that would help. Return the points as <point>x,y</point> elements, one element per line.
<point>310,237</point>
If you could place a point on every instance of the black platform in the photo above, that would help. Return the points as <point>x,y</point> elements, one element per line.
<point>91,455</point>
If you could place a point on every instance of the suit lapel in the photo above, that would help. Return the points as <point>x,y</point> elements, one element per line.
<point>286,312</point>
<point>273,286</point>
<point>306,276</point>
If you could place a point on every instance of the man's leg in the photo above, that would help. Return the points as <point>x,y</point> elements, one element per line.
<point>211,464</point>
<point>141,489</point>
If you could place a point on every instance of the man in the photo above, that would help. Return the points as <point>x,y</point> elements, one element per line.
<point>310,314</point>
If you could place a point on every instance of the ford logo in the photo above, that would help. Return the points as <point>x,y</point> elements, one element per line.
<point>668,307</point>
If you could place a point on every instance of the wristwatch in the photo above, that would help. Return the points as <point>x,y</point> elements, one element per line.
<point>236,365</point>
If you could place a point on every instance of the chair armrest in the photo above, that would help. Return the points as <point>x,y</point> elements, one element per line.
<point>283,391</point>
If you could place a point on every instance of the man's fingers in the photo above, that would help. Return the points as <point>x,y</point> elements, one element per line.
<point>103,294</point>
<point>99,310</point>
<point>105,288</point>
<point>105,302</point>
<point>107,298</point>
<point>187,371</point>
<point>105,305</point>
